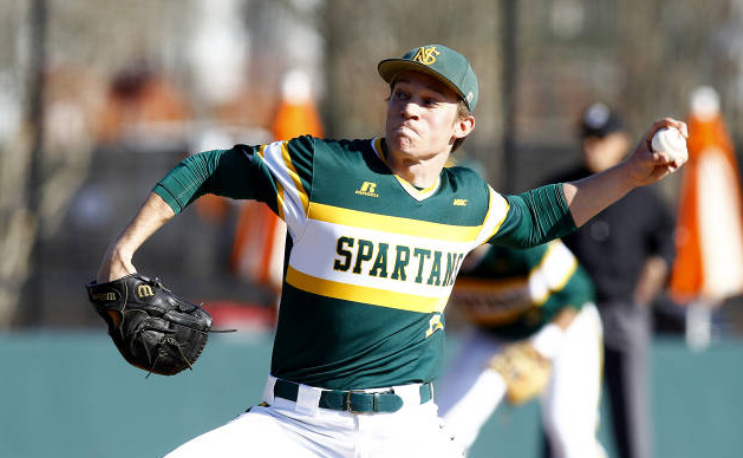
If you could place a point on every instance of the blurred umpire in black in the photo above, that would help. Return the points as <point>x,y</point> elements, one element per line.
<point>628,250</point>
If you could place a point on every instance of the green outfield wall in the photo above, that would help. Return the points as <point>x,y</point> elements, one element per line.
<point>72,395</point>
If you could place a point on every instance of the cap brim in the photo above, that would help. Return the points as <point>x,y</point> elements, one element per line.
<point>389,69</point>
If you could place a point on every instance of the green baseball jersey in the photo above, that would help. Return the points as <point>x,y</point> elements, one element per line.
<point>370,259</point>
<point>515,292</point>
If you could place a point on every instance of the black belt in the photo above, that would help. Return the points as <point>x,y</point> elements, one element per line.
<point>352,401</point>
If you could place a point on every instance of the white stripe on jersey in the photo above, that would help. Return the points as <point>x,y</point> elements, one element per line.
<point>307,257</point>
<point>497,211</point>
<point>292,199</point>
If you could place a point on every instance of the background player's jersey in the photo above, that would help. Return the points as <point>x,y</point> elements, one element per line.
<point>370,259</point>
<point>513,292</point>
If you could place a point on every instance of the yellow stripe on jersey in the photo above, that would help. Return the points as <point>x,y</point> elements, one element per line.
<point>364,294</point>
<point>261,151</point>
<point>294,176</point>
<point>292,172</point>
<point>493,196</point>
<point>393,224</point>
<point>280,199</point>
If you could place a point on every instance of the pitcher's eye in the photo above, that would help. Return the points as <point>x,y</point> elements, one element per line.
<point>399,95</point>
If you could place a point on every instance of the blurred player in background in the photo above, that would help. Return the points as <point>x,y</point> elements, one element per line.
<point>542,298</point>
<point>627,250</point>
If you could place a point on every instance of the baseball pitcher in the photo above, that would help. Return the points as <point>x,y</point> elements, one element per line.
<point>376,232</point>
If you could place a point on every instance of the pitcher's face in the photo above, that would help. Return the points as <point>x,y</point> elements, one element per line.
<point>422,117</point>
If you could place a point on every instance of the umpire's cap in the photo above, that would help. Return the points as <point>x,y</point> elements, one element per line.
<point>440,62</point>
<point>599,120</point>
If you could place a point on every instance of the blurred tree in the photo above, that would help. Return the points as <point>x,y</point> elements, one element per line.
<point>644,57</point>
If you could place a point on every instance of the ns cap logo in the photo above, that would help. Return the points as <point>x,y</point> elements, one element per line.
<point>426,55</point>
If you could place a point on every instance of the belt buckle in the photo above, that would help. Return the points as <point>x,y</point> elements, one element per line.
<point>348,402</point>
<point>374,406</point>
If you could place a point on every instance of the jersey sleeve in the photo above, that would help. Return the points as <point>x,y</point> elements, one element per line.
<point>534,217</point>
<point>216,171</point>
<point>278,174</point>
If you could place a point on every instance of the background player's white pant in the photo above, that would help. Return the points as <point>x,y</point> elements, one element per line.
<point>469,392</point>
<point>286,429</point>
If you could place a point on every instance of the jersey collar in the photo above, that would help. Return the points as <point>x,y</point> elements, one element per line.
<point>418,194</point>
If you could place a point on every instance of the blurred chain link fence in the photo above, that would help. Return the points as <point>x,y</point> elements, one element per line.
<point>130,87</point>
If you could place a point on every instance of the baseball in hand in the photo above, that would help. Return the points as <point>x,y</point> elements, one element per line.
<point>669,140</point>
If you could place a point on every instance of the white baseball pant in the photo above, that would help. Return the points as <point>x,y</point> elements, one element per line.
<point>298,429</point>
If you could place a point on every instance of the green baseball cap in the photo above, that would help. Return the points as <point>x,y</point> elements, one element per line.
<point>442,63</point>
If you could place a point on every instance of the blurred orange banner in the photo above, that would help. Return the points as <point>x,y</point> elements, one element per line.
<point>709,234</point>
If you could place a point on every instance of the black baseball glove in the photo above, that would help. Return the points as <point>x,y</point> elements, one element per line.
<point>154,329</point>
